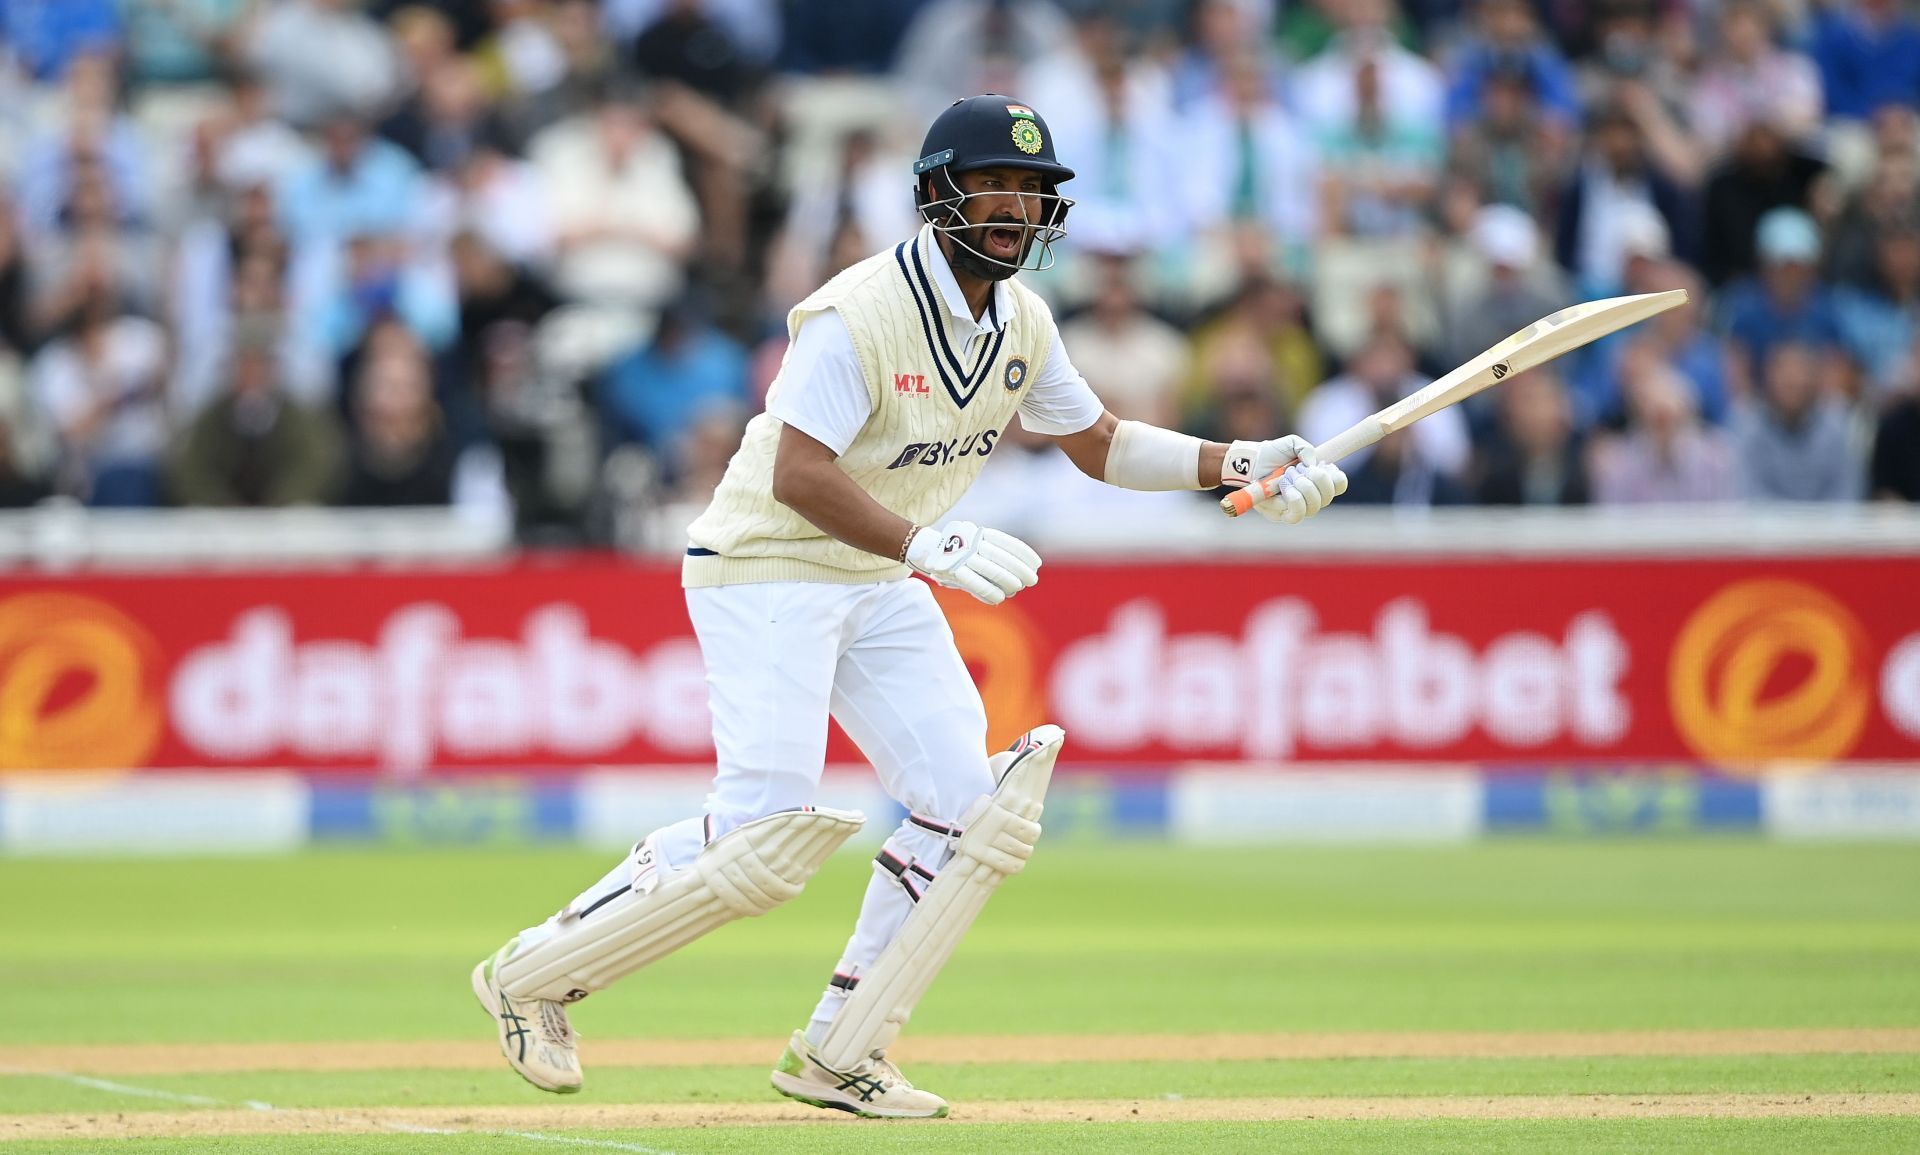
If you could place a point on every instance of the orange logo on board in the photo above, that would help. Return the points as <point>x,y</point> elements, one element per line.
<point>1770,670</point>
<point>80,685</point>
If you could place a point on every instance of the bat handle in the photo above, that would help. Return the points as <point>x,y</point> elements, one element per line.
<point>1244,499</point>
<point>1357,436</point>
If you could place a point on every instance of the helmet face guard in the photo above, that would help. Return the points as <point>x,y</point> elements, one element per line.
<point>946,212</point>
<point>982,132</point>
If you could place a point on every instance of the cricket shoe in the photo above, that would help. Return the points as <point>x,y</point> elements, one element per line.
<point>534,1033</point>
<point>874,1090</point>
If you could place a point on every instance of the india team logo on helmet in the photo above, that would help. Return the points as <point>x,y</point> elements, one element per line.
<point>1016,373</point>
<point>1026,136</point>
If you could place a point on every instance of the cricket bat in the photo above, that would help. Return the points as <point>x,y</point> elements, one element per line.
<point>1538,343</point>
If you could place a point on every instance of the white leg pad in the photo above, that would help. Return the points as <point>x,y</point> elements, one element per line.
<point>997,838</point>
<point>742,874</point>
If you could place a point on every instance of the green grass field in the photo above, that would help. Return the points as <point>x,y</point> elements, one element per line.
<point>1709,994</point>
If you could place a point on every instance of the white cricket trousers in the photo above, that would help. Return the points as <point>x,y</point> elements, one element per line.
<point>880,658</point>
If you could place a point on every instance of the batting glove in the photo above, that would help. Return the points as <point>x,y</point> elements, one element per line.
<point>988,564</point>
<point>1308,486</point>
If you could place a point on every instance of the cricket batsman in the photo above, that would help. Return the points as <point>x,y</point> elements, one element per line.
<point>901,374</point>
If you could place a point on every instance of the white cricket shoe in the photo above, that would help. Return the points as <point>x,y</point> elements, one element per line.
<point>874,1090</point>
<point>534,1033</point>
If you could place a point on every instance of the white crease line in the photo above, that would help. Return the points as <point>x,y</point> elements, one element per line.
<point>535,1136</point>
<point>257,1105</point>
<point>141,1092</point>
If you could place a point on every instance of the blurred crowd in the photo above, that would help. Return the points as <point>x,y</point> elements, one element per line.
<point>532,257</point>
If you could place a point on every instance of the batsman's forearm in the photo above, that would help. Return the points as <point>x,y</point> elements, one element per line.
<point>836,505</point>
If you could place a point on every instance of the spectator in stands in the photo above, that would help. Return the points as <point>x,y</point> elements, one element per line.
<point>1218,31</point>
<point>1411,89</point>
<point>1246,161</point>
<point>1792,441</point>
<point>858,204</point>
<point>1508,42</point>
<point>1894,474</point>
<point>1133,359</point>
<point>1616,170</point>
<point>17,335</point>
<point>89,134</point>
<point>254,445</point>
<point>1869,55</point>
<point>1269,316</point>
<point>1242,394</point>
<point>961,46</point>
<point>1675,340</point>
<point>1398,471</point>
<point>492,291</point>
<point>443,122</point>
<point>1750,78</point>
<point>1666,455</point>
<point>20,486</point>
<point>102,389</point>
<point>45,36</point>
<point>182,41</point>
<point>1536,459</point>
<point>255,146</point>
<point>1515,292</point>
<point>1112,115</point>
<point>1787,301</point>
<point>844,37</point>
<point>1880,324</point>
<point>705,448</point>
<point>623,216</point>
<point>360,185</point>
<point>1378,374</point>
<point>324,59</point>
<point>1377,175</point>
<point>401,453</point>
<point>381,276</point>
<point>1765,171</point>
<point>690,45</point>
<point>1513,153</point>
<point>656,394</point>
<point>1889,200</point>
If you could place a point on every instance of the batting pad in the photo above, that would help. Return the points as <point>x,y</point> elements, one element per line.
<point>742,874</point>
<point>997,838</point>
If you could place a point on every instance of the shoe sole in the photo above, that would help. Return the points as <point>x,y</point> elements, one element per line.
<point>483,990</point>
<point>801,1092</point>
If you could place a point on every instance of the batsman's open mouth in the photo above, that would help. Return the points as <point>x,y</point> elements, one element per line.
<point>1003,243</point>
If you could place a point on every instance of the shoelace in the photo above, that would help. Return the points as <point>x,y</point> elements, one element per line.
<point>553,1023</point>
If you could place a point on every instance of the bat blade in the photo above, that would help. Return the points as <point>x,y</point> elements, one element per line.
<point>1549,337</point>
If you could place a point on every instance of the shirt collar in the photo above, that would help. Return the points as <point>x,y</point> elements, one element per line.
<point>999,308</point>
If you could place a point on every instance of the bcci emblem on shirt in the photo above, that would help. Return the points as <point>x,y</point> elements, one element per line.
<point>1016,374</point>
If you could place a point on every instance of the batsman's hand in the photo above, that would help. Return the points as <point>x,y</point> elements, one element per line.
<point>988,564</point>
<point>1307,487</point>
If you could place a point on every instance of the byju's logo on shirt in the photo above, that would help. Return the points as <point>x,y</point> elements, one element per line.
<point>945,452</point>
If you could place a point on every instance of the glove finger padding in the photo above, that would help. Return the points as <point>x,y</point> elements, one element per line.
<point>1007,562</point>
<point>1019,551</point>
<point>1310,492</point>
<point>975,584</point>
<point>1287,506</point>
<point>983,564</point>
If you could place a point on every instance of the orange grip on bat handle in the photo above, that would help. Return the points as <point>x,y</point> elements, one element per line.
<point>1243,500</point>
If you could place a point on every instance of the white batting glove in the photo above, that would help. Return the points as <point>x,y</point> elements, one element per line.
<point>988,564</point>
<point>1306,489</point>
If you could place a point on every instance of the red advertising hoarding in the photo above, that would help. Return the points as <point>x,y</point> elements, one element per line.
<point>589,660</point>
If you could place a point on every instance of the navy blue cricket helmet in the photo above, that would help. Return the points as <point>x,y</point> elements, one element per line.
<point>989,131</point>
